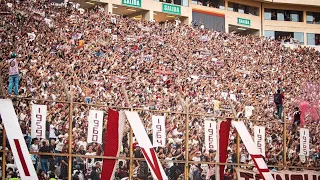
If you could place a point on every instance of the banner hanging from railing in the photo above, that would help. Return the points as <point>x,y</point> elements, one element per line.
<point>146,146</point>
<point>304,142</point>
<point>159,131</point>
<point>253,150</point>
<point>95,122</point>
<point>280,175</point>
<point>38,121</point>
<point>18,145</point>
<point>260,139</point>
<point>210,135</point>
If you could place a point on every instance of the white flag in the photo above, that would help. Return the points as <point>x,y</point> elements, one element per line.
<point>159,131</point>
<point>233,97</point>
<point>248,111</point>
<point>224,95</point>
<point>147,149</point>
<point>304,142</point>
<point>17,143</point>
<point>260,139</point>
<point>95,122</point>
<point>38,121</point>
<point>210,133</point>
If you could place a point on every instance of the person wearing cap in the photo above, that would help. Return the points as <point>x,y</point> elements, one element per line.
<point>13,74</point>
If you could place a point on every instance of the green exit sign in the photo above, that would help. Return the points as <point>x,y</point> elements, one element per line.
<point>171,9</point>
<point>245,22</point>
<point>133,3</point>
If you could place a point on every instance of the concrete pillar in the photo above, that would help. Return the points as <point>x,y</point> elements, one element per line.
<point>108,8</point>
<point>147,16</point>
<point>305,31</point>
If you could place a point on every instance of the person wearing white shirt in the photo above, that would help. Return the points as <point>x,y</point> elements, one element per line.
<point>169,163</point>
<point>83,143</point>
<point>90,161</point>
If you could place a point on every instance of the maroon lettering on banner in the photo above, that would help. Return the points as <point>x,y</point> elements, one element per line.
<point>159,132</point>
<point>259,142</point>
<point>210,132</point>
<point>158,127</point>
<point>278,177</point>
<point>304,146</point>
<point>38,125</point>
<point>95,133</point>
<point>297,177</point>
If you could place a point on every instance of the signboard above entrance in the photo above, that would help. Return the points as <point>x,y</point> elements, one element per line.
<point>171,9</point>
<point>245,22</point>
<point>133,3</point>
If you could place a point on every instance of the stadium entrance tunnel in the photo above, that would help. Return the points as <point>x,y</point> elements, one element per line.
<point>243,30</point>
<point>163,17</point>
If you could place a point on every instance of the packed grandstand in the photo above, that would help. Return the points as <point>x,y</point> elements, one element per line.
<point>89,56</point>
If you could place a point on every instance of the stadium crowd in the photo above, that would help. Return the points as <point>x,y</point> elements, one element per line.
<point>92,54</point>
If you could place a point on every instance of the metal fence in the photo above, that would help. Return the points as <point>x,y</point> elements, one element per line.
<point>71,109</point>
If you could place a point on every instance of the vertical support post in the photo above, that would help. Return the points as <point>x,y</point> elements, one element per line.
<point>186,170</point>
<point>123,89</point>
<point>2,92</point>
<point>238,150</point>
<point>70,135</point>
<point>70,142</point>
<point>238,137</point>
<point>131,154</point>
<point>284,142</point>
<point>4,144</point>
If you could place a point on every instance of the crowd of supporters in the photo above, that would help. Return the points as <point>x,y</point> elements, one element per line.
<point>88,56</point>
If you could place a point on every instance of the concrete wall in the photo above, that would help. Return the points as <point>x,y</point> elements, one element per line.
<point>155,7</point>
<point>291,26</point>
<point>298,2</point>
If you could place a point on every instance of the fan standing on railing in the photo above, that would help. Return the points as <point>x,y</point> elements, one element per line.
<point>278,100</point>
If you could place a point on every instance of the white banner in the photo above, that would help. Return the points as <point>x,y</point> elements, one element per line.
<point>210,132</point>
<point>248,111</point>
<point>38,121</point>
<point>159,131</point>
<point>146,146</point>
<point>304,142</point>
<point>253,150</point>
<point>260,139</point>
<point>95,122</point>
<point>280,175</point>
<point>17,143</point>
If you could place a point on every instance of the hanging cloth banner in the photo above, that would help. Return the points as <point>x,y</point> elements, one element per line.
<point>159,131</point>
<point>17,143</point>
<point>223,128</point>
<point>114,134</point>
<point>95,122</point>
<point>260,139</point>
<point>304,142</point>
<point>210,132</point>
<point>253,150</point>
<point>38,121</point>
<point>146,146</point>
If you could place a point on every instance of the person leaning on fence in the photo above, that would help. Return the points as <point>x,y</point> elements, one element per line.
<point>278,100</point>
